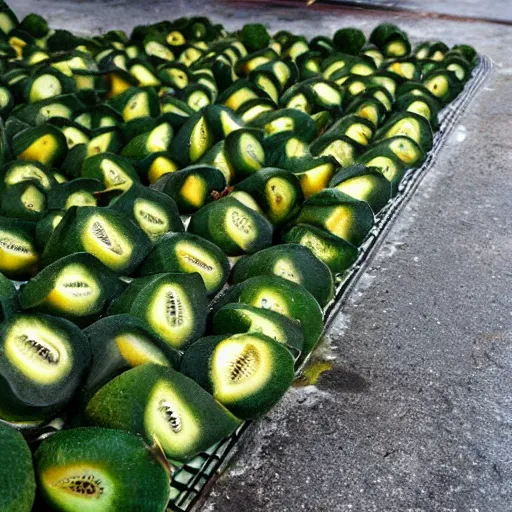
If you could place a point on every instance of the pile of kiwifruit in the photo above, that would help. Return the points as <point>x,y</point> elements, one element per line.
<point>141,175</point>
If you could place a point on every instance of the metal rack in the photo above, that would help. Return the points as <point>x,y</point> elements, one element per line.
<point>193,479</point>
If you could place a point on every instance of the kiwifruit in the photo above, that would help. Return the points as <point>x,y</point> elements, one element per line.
<point>158,402</point>
<point>336,253</point>
<point>282,296</point>
<point>24,201</point>
<point>101,470</point>
<point>21,171</point>
<point>154,212</point>
<point>174,306</point>
<point>19,257</point>
<point>247,373</point>
<point>338,213</point>
<point>77,192</point>
<point>43,360</point>
<point>191,188</point>
<point>113,171</point>
<point>295,263</point>
<point>121,342</point>
<point>46,226</point>
<point>365,184</point>
<point>108,235</point>
<point>188,253</point>
<point>277,192</point>
<point>240,318</point>
<point>17,481</point>
<point>7,288</point>
<point>77,287</point>
<point>45,144</point>
<point>231,225</point>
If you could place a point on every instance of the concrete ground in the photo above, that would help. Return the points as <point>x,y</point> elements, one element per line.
<point>416,414</point>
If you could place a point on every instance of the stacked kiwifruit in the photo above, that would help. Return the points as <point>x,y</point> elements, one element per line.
<point>176,208</point>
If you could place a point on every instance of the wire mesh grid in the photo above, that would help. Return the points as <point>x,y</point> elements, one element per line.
<point>191,480</point>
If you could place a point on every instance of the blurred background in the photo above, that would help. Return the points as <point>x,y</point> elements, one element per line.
<point>93,15</point>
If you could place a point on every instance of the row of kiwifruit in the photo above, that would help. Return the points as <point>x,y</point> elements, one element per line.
<point>175,210</point>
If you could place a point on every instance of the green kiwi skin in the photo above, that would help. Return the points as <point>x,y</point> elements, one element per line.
<point>22,399</point>
<point>336,253</point>
<point>17,481</point>
<point>197,364</point>
<point>425,136</point>
<point>33,294</point>
<point>140,480</point>
<point>209,223</point>
<point>301,305</point>
<point>172,183</point>
<point>255,185</point>
<point>126,204</point>
<point>164,258</point>
<point>318,209</point>
<point>137,296</point>
<point>26,232</point>
<point>121,404</point>
<point>380,193</point>
<point>7,288</point>
<point>308,270</point>
<point>67,236</point>
<point>242,318</point>
<point>107,362</point>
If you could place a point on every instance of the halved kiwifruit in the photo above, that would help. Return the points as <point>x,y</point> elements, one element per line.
<point>24,201</point>
<point>338,213</point>
<point>174,306</point>
<point>77,287</point>
<point>336,253</point>
<point>188,253</point>
<point>282,296</point>
<point>77,192</point>
<point>20,171</point>
<point>108,235</point>
<point>244,152</point>
<point>248,373</point>
<point>234,227</point>
<point>193,140</point>
<point>365,184</point>
<point>240,318</point>
<point>408,124</point>
<point>19,257</point>
<point>154,212</point>
<point>136,102</point>
<point>292,262</point>
<point>192,187</point>
<point>43,361</point>
<point>107,141</point>
<point>277,192</point>
<point>121,342</point>
<point>16,472</point>
<point>44,143</point>
<point>112,170</point>
<point>96,469</point>
<point>222,121</point>
<point>185,418</point>
<point>46,226</point>
<point>392,41</point>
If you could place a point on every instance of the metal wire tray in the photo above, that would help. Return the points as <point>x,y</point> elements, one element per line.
<point>191,481</point>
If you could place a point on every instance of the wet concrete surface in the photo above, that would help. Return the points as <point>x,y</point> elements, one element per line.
<point>416,414</point>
